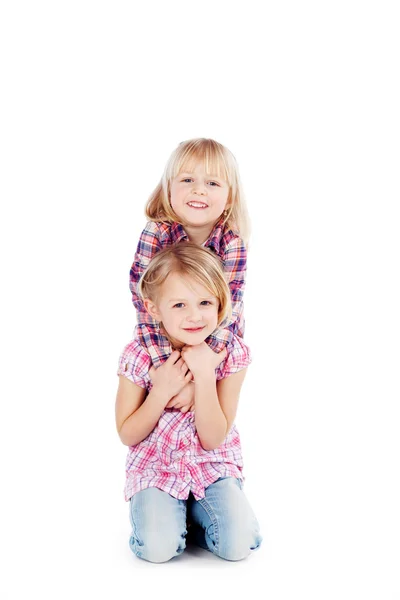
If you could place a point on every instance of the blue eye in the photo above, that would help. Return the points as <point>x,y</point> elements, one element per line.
<point>214,183</point>
<point>178,305</point>
<point>206,303</point>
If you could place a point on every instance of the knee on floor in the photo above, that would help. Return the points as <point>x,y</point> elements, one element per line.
<point>237,546</point>
<point>157,548</point>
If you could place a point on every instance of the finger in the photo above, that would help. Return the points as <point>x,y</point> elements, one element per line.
<point>188,376</point>
<point>173,404</point>
<point>184,409</point>
<point>173,357</point>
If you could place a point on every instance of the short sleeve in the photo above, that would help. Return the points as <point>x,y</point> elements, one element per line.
<point>239,357</point>
<point>134,364</point>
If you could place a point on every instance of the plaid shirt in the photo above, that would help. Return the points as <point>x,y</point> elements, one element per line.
<point>227,245</point>
<point>171,457</point>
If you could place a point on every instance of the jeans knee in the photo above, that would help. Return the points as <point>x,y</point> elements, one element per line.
<point>237,547</point>
<point>156,548</point>
<point>234,553</point>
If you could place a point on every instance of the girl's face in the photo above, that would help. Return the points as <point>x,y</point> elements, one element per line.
<point>198,198</point>
<point>187,310</point>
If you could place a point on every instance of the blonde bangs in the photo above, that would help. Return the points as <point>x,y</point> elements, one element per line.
<point>216,159</point>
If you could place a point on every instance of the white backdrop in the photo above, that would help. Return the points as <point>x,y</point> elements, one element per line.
<point>95,96</point>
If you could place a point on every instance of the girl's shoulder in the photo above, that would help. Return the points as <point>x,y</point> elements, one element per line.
<point>134,363</point>
<point>225,240</point>
<point>157,228</point>
<point>238,357</point>
<point>153,237</point>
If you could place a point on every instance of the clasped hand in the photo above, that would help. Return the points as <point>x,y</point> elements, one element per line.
<point>175,375</point>
<point>172,376</point>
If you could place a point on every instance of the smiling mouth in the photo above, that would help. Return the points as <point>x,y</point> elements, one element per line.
<point>193,329</point>
<point>198,205</point>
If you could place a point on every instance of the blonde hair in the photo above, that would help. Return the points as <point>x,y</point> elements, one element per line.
<point>189,260</point>
<point>217,160</point>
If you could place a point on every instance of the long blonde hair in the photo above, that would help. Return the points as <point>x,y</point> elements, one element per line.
<point>189,260</point>
<point>217,160</point>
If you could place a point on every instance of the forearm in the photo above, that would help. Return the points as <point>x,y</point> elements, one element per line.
<point>211,423</point>
<point>142,422</point>
<point>235,265</point>
<point>147,247</point>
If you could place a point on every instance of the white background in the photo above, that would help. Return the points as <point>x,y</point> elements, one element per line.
<point>95,96</point>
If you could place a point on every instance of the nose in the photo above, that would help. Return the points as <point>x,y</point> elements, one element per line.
<point>199,188</point>
<point>194,315</point>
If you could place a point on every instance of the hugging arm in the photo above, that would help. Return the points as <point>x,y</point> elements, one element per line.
<point>235,265</point>
<point>234,261</point>
<point>149,244</point>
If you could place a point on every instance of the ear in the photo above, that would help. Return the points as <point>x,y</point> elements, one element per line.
<point>229,201</point>
<point>152,309</point>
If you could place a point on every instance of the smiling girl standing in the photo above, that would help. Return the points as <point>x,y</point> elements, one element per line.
<point>199,199</point>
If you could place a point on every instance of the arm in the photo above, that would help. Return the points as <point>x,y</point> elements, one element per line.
<point>136,416</point>
<point>215,402</point>
<point>234,262</point>
<point>216,406</point>
<point>149,244</point>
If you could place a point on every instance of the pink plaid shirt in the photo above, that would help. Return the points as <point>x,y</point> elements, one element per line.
<point>171,457</point>
<point>226,244</point>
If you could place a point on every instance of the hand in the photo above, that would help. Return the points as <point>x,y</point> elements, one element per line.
<point>184,400</point>
<point>201,360</point>
<point>171,377</point>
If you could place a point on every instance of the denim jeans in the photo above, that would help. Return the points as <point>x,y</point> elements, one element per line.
<point>221,522</point>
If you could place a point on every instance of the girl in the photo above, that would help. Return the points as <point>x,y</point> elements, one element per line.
<point>179,464</point>
<point>198,199</point>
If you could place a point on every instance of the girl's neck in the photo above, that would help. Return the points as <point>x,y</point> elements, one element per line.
<point>175,344</point>
<point>198,235</point>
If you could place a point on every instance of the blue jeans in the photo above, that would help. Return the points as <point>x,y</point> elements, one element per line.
<point>222,522</point>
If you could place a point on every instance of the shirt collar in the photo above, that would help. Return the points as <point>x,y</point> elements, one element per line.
<point>178,234</point>
<point>214,239</point>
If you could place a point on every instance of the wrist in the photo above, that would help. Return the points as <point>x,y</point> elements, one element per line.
<point>204,377</point>
<point>158,395</point>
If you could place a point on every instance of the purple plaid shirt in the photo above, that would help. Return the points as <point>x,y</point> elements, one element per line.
<point>226,244</point>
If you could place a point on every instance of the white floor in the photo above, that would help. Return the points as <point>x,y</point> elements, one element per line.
<point>326,499</point>
<point>72,545</point>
